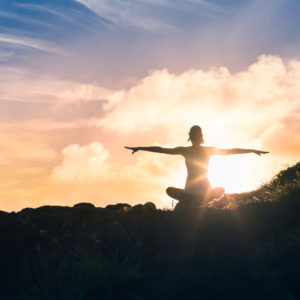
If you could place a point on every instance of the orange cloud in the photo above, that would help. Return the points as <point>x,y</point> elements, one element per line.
<point>88,170</point>
<point>82,164</point>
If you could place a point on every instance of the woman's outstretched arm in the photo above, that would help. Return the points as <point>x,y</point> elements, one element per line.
<point>217,151</point>
<point>177,150</point>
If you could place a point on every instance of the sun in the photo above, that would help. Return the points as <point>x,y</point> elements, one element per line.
<point>234,173</point>
<point>229,172</point>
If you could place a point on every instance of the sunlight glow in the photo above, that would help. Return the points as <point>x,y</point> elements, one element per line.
<point>234,173</point>
<point>179,178</point>
<point>229,172</point>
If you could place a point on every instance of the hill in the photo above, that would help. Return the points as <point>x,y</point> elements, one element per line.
<point>251,251</point>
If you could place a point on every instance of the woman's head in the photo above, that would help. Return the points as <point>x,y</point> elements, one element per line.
<point>195,135</point>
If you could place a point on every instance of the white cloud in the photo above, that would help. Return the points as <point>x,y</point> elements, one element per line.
<point>25,19</point>
<point>256,108</point>
<point>46,9</point>
<point>232,107</point>
<point>82,164</point>
<point>88,172</point>
<point>140,14</point>
<point>30,43</point>
<point>18,85</point>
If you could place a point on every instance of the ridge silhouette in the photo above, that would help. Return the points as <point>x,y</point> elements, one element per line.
<point>197,190</point>
<point>140,252</point>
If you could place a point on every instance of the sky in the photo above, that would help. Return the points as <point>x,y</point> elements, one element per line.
<point>81,79</point>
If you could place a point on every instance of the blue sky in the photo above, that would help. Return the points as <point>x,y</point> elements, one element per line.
<point>108,38</point>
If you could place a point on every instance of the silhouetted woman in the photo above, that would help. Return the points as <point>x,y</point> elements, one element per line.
<point>197,187</point>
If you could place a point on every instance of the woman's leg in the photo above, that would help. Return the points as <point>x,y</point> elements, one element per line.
<point>183,197</point>
<point>217,192</point>
<point>175,193</point>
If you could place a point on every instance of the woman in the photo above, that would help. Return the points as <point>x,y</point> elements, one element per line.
<point>197,187</point>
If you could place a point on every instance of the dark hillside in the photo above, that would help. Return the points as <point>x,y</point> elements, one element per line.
<point>139,252</point>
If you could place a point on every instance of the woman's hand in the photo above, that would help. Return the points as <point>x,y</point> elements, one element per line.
<point>134,149</point>
<point>258,152</point>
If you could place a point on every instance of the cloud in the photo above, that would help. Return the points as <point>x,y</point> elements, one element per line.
<point>19,85</point>
<point>82,164</point>
<point>119,14</point>
<point>144,14</point>
<point>91,163</point>
<point>233,107</point>
<point>46,102</point>
<point>256,108</point>
<point>87,172</point>
<point>283,137</point>
<point>25,19</point>
<point>62,156</point>
<point>17,41</point>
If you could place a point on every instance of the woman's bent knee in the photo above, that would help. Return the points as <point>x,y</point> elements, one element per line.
<point>175,193</point>
<point>170,191</point>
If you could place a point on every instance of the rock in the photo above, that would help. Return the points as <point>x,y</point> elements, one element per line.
<point>149,206</point>
<point>118,207</point>
<point>84,205</point>
<point>137,208</point>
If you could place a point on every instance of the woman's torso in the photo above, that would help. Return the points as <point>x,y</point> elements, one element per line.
<point>197,160</point>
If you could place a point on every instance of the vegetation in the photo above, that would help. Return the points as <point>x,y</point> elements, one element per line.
<point>249,249</point>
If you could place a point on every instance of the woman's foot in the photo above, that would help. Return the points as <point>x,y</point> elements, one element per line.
<point>217,192</point>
